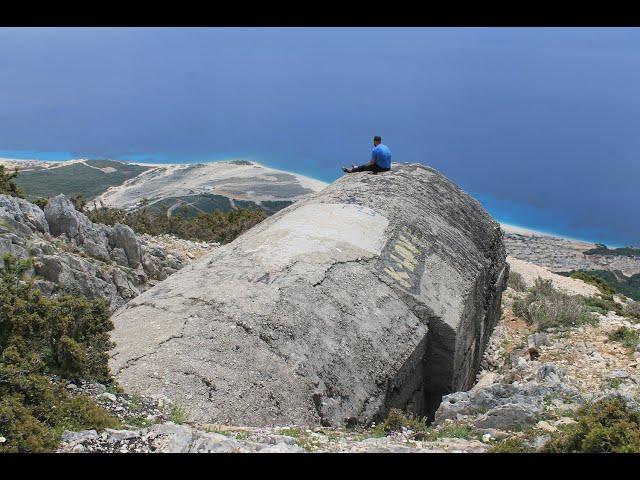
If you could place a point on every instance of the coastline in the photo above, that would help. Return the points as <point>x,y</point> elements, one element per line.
<point>523,230</point>
<point>305,180</point>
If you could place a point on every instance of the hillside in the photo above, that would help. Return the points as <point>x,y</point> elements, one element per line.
<point>618,281</point>
<point>191,188</point>
<point>564,255</point>
<point>86,177</point>
<point>206,187</point>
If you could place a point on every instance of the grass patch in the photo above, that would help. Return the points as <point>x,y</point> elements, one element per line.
<point>243,435</point>
<point>177,414</point>
<point>291,432</point>
<point>628,337</point>
<point>139,422</point>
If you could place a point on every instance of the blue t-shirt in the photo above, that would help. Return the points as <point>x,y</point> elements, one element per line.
<point>382,156</point>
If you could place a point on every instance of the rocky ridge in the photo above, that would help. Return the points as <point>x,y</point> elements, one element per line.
<point>70,253</point>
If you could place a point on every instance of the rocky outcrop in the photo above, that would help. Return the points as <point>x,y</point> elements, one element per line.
<point>379,291</point>
<point>70,253</point>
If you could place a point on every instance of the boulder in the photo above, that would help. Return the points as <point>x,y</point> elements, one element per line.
<point>76,274</point>
<point>506,417</point>
<point>379,291</point>
<point>20,216</point>
<point>77,437</point>
<point>63,218</point>
<point>121,236</point>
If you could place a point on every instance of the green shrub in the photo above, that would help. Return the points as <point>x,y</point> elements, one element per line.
<point>607,425</point>
<point>547,307</point>
<point>516,281</point>
<point>8,185</point>
<point>178,414</point>
<point>598,282</point>
<point>628,286</point>
<point>453,430</point>
<point>40,336</point>
<point>603,304</point>
<point>632,310</point>
<point>396,419</point>
<point>511,445</point>
<point>628,337</point>
<point>221,227</point>
<point>41,202</point>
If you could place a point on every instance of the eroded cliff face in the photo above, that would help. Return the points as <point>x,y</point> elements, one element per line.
<point>379,291</point>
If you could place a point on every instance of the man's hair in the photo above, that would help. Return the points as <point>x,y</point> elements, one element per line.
<point>377,138</point>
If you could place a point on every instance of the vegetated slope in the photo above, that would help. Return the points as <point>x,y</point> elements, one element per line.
<point>89,178</point>
<point>217,226</point>
<point>201,186</point>
<point>602,249</point>
<point>194,188</point>
<point>619,282</point>
<point>190,206</point>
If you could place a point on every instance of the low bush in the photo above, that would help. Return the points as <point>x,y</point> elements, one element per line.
<point>221,227</point>
<point>628,337</point>
<point>603,304</point>
<point>632,310</point>
<point>8,184</point>
<point>516,281</point>
<point>66,336</point>
<point>607,425</point>
<point>598,282</point>
<point>546,307</point>
<point>396,420</point>
<point>511,445</point>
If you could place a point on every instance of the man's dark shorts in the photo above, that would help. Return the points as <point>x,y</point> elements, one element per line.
<point>370,168</point>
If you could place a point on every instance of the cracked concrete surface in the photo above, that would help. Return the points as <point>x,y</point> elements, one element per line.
<point>378,291</point>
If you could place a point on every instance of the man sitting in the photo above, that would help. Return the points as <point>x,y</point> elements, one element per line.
<point>380,159</point>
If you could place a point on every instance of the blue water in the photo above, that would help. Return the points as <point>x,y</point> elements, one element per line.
<point>541,124</point>
<point>546,220</point>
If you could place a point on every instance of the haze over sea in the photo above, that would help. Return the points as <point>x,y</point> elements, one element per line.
<point>539,124</point>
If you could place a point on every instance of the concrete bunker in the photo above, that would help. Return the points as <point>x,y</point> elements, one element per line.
<point>379,291</point>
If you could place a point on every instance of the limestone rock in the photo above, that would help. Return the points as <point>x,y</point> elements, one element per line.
<point>63,218</point>
<point>77,437</point>
<point>121,236</point>
<point>379,291</point>
<point>506,417</point>
<point>81,259</point>
<point>21,214</point>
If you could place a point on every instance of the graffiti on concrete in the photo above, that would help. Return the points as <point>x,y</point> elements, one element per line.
<point>402,260</point>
